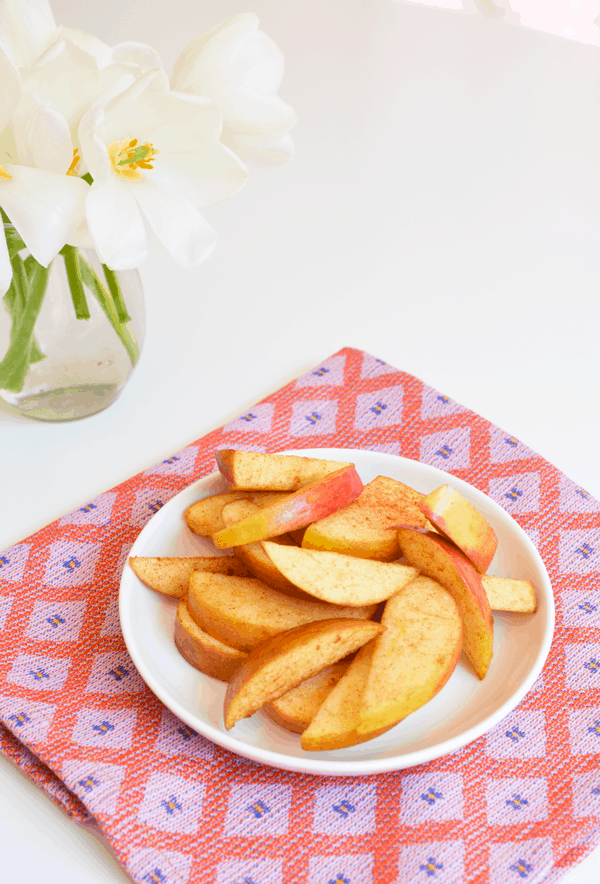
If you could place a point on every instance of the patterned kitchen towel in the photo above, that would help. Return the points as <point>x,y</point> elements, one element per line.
<point>521,803</point>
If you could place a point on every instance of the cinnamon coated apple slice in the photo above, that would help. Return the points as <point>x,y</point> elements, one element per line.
<point>439,559</point>
<point>201,650</point>
<point>243,611</point>
<point>335,726</point>
<point>458,520</point>
<point>414,656</point>
<point>281,663</point>
<point>506,594</point>
<point>204,516</point>
<point>312,502</point>
<point>253,555</point>
<point>171,575</point>
<point>337,578</point>
<point>272,472</point>
<point>366,528</point>
<point>295,710</point>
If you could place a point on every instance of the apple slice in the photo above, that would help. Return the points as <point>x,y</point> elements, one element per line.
<point>366,528</point>
<point>413,657</point>
<point>243,612</point>
<point>253,556</point>
<point>506,594</point>
<point>284,661</point>
<point>295,710</point>
<point>204,516</point>
<point>300,508</point>
<point>336,578</point>
<point>272,472</point>
<point>171,575</point>
<point>439,559</point>
<point>335,726</point>
<point>460,522</point>
<point>201,650</point>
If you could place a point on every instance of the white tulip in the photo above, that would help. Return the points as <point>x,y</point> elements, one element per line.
<point>43,206</point>
<point>25,27</point>
<point>155,157</point>
<point>240,67</point>
<point>65,82</point>
<point>144,57</point>
<point>10,89</point>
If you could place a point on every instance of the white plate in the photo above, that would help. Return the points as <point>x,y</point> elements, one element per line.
<point>463,710</point>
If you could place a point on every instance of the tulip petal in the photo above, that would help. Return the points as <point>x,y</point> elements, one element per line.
<point>143,86</point>
<point>259,66</point>
<point>115,224</point>
<point>68,78</point>
<point>5,266</point>
<point>10,91</point>
<point>90,44</point>
<point>203,176</point>
<point>213,51</point>
<point>186,235</point>
<point>140,54</point>
<point>42,136</point>
<point>93,149</point>
<point>25,28</point>
<point>170,121</point>
<point>44,207</point>
<point>249,112</point>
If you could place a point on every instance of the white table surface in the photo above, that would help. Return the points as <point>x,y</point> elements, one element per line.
<point>442,212</point>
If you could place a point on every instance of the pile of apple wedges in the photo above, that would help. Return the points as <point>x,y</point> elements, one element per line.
<point>337,608</point>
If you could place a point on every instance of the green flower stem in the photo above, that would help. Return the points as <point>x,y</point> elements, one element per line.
<point>117,294</point>
<point>15,365</point>
<point>69,253</point>
<point>20,279</point>
<point>16,302</point>
<point>95,285</point>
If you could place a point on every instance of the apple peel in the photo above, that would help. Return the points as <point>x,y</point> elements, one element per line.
<point>314,501</point>
<point>442,561</point>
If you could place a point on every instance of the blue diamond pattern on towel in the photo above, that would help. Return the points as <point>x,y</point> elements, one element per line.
<point>314,417</point>
<point>382,408</point>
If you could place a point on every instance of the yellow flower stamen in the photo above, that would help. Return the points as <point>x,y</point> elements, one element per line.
<point>4,173</point>
<point>75,164</point>
<point>128,158</point>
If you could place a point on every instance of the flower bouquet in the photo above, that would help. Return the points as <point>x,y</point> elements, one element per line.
<point>100,151</point>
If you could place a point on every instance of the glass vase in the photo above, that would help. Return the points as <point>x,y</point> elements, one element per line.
<point>86,340</point>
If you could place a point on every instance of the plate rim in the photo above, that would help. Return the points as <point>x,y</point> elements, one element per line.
<point>334,767</point>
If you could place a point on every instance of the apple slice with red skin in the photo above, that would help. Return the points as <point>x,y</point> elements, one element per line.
<point>314,501</point>
<point>441,560</point>
<point>281,663</point>
<point>414,656</point>
<point>253,556</point>
<point>204,516</point>
<point>458,520</point>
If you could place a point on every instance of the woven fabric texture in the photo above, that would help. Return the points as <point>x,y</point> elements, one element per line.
<point>521,803</point>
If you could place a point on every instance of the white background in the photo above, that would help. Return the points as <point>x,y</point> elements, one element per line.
<point>441,212</point>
